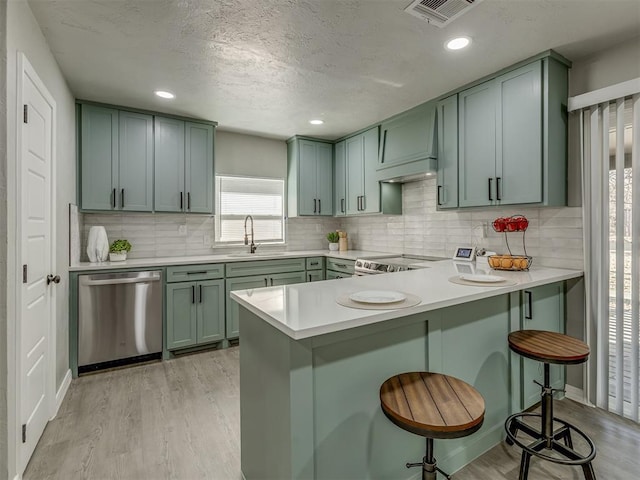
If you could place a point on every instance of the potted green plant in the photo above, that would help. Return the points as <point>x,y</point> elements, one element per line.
<point>333,238</point>
<point>118,250</point>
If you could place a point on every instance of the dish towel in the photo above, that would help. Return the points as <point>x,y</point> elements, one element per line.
<point>97,245</point>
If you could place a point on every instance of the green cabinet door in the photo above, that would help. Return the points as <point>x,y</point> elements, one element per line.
<point>169,189</point>
<point>324,179</point>
<point>98,157</point>
<point>181,315</point>
<point>199,160</point>
<point>332,275</point>
<point>542,308</point>
<point>315,275</point>
<point>340,180</point>
<point>477,145</point>
<point>210,312</point>
<point>307,180</point>
<point>355,174</point>
<point>135,166</point>
<point>240,283</point>
<point>447,183</point>
<point>371,197</point>
<point>519,136</point>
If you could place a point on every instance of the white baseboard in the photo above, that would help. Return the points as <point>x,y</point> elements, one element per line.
<point>62,391</point>
<point>577,395</point>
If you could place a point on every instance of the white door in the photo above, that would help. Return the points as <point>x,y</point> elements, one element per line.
<point>35,356</point>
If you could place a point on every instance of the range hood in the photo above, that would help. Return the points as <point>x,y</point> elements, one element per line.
<point>409,146</point>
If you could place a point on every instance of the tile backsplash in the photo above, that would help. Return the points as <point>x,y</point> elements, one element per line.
<point>158,235</point>
<point>554,236</point>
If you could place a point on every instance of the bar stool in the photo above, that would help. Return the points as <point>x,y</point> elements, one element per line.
<point>557,348</point>
<point>433,406</point>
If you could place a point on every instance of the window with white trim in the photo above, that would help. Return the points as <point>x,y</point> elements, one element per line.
<point>262,198</point>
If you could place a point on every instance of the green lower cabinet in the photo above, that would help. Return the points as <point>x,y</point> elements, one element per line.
<point>210,311</point>
<point>181,315</point>
<point>542,308</point>
<point>332,275</point>
<point>195,313</point>
<point>315,275</point>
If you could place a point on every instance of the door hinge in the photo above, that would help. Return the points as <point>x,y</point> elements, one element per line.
<point>26,114</point>
<point>24,433</point>
<point>25,273</point>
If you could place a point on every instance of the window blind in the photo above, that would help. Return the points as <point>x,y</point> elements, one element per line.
<point>262,198</point>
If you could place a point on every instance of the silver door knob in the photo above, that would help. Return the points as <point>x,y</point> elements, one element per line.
<point>52,278</point>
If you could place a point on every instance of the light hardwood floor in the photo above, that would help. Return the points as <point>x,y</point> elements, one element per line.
<point>180,420</point>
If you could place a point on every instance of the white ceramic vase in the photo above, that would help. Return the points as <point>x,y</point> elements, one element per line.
<point>97,244</point>
<point>333,246</point>
<point>118,256</point>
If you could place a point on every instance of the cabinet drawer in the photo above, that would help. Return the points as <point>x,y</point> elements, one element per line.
<point>340,265</point>
<point>331,275</point>
<point>315,263</point>
<point>265,267</point>
<point>191,273</point>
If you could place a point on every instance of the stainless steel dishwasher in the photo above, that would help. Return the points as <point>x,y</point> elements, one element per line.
<point>119,319</point>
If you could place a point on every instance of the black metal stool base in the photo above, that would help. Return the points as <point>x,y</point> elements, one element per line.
<point>429,468</point>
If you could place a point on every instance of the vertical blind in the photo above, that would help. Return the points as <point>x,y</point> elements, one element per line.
<point>610,134</point>
<point>262,198</point>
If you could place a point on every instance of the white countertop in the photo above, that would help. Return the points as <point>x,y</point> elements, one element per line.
<point>309,309</point>
<point>224,258</point>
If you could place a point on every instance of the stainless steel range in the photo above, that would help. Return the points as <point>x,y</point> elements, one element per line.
<point>399,263</point>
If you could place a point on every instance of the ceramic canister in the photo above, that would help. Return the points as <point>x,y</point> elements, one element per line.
<point>97,244</point>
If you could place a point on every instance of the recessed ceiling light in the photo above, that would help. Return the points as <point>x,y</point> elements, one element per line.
<point>316,122</point>
<point>164,94</point>
<point>457,43</point>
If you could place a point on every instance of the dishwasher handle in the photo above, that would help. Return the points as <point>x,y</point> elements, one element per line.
<point>120,278</point>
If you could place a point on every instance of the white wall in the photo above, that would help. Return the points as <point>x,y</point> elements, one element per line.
<point>238,154</point>
<point>606,67</point>
<point>24,35</point>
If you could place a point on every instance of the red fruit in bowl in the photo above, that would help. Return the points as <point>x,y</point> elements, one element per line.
<point>512,225</point>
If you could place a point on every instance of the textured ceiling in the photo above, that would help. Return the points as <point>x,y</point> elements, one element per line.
<point>267,67</point>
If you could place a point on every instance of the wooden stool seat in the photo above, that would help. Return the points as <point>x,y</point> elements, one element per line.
<point>432,405</point>
<point>548,347</point>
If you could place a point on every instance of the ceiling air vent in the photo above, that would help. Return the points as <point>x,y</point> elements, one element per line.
<point>440,12</point>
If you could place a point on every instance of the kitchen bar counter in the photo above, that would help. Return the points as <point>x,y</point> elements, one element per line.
<point>310,369</point>
<point>307,310</point>
<point>223,258</point>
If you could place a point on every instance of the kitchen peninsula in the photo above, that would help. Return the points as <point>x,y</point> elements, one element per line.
<point>310,369</point>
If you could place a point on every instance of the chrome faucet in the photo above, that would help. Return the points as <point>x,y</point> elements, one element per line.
<point>252,246</point>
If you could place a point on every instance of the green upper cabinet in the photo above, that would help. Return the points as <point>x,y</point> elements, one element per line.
<point>447,185</point>
<point>310,177</point>
<point>513,137</point>
<point>183,166</point>
<point>477,146</point>
<point>131,161</point>
<point>363,187</point>
<point>199,167</point>
<point>135,166</point>
<point>340,179</point>
<point>408,143</point>
<point>99,154</point>
<point>116,160</point>
<point>169,165</point>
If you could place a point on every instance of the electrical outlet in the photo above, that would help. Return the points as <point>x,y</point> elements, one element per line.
<point>207,240</point>
<point>182,230</point>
